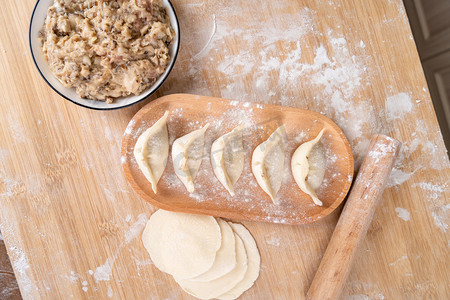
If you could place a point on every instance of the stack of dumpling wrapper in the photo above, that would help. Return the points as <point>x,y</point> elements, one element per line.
<point>208,257</point>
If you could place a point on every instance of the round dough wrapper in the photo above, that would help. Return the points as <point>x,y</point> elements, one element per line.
<point>214,288</point>
<point>183,245</point>
<point>254,262</point>
<point>226,255</point>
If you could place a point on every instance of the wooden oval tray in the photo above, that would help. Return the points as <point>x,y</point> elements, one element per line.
<point>190,112</point>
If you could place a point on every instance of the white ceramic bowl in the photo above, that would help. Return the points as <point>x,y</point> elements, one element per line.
<point>36,23</point>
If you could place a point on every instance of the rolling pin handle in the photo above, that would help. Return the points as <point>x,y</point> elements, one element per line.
<point>355,219</point>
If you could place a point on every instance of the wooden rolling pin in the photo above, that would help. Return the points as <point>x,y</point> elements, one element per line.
<point>355,219</point>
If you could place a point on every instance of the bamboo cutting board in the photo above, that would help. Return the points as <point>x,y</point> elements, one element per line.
<point>72,224</point>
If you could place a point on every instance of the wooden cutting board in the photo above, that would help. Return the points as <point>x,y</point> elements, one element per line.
<point>72,224</point>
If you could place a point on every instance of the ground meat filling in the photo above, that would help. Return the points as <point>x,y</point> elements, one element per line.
<point>107,49</point>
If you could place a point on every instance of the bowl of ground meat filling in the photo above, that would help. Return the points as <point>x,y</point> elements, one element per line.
<point>104,54</point>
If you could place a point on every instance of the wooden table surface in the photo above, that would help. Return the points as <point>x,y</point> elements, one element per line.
<point>72,224</point>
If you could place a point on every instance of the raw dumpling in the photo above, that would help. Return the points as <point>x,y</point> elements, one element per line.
<point>303,168</point>
<point>268,163</point>
<point>227,158</point>
<point>317,166</point>
<point>187,155</point>
<point>151,151</point>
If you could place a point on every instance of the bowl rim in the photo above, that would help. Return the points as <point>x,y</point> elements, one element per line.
<point>170,67</point>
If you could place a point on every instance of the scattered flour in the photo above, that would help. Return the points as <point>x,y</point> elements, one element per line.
<point>136,229</point>
<point>16,130</point>
<point>104,272</point>
<point>129,127</point>
<point>398,260</point>
<point>357,297</point>
<point>403,213</point>
<point>10,185</point>
<point>434,191</point>
<point>380,151</point>
<point>140,264</point>
<point>397,106</point>
<point>21,268</point>
<point>273,240</point>
<point>398,177</point>
<point>112,190</point>
<point>331,73</point>
<point>110,292</point>
<point>441,217</point>
<point>301,137</point>
<point>108,193</point>
<point>128,218</point>
<point>236,63</point>
<point>143,263</point>
<point>73,277</point>
<point>108,134</point>
<point>364,290</point>
<point>4,154</point>
<point>439,209</point>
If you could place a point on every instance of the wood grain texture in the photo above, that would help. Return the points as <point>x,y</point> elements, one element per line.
<point>71,223</point>
<point>355,219</point>
<point>190,112</point>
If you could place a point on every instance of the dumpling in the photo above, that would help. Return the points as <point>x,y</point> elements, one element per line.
<point>268,163</point>
<point>227,158</point>
<point>187,155</point>
<point>317,166</point>
<point>308,161</point>
<point>151,151</point>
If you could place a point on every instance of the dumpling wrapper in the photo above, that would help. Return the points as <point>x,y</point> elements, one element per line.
<point>151,151</point>
<point>317,166</point>
<point>225,260</point>
<point>187,155</point>
<point>183,245</point>
<point>268,163</point>
<point>227,158</point>
<point>215,288</point>
<point>253,265</point>
<point>300,168</point>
